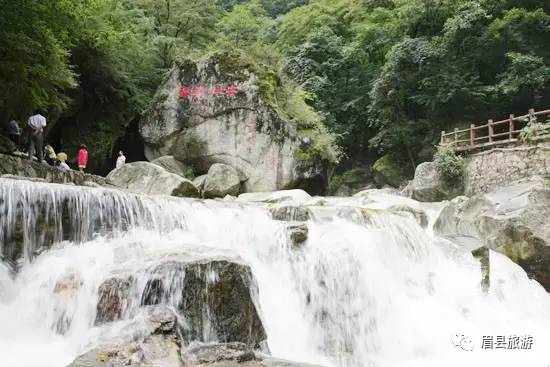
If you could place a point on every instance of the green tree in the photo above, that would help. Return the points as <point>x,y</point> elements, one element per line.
<point>180,26</point>
<point>34,67</point>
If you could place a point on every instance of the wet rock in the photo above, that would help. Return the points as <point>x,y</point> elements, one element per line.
<point>224,291</point>
<point>221,289</point>
<point>212,354</point>
<point>69,284</point>
<point>483,255</point>
<point>289,213</point>
<point>149,178</point>
<point>230,355</point>
<point>369,192</point>
<point>298,233</point>
<point>221,180</point>
<point>155,350</point>
<point>162,320</point>
<point>512,220</point>
<point>295,197</point>
<point>419,215</point>
<point>112,299</point>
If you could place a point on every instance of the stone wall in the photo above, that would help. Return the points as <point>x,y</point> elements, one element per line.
<point>497,167</point>
<point>17,167</point>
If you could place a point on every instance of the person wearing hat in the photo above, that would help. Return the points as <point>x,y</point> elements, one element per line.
<point>62,162</point>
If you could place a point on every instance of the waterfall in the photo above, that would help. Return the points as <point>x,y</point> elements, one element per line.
<point>370,287</point>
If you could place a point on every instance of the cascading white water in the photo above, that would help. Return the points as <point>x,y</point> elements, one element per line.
<point>365,290</point>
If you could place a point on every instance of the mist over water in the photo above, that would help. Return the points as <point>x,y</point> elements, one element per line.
<point>364,290</point>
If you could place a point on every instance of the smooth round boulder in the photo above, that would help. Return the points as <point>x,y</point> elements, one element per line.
<point>171,164</point>
<point>149,178</point>
<point>221,180</point>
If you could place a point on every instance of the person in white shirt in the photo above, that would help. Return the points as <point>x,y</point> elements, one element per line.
<point>120,160</point>
<point>36,124</point>
<point>63,167</point>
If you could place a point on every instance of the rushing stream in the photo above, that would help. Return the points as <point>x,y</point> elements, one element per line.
<point>373,289</point>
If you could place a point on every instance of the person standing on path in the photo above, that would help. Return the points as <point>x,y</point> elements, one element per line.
<point>36,124</point>
<point>82,158</point>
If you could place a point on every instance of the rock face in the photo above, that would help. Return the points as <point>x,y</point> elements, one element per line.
<point>427,183</point>
<point>429,186</point>
<point>513,220</point>
<point>214,299</point>
<point>221,180</point>
<point>230,355</point>
<point>6,145</point>
<point>14,167</point>
<point>149,178</point>
<point>158,348</point>
<point>502,166</point>
<point>172,165</point>
<point>224,118</point>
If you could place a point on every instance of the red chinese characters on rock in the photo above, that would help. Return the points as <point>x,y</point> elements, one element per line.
<point>184,92</point>
<point>198,92</point>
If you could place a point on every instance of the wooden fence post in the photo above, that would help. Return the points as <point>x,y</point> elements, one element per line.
<point>490,126</point>
<point>472,135</point>
<point>533,119</point>
<point>511,127</point>
<point>456,137</point>
<point>443,137</point>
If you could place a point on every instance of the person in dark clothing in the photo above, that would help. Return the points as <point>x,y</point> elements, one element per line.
<point>14,132</point>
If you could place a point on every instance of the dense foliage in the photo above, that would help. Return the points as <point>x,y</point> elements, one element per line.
<point>386,76</point>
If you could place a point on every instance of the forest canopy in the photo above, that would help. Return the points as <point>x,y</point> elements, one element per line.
<point>386,76</point>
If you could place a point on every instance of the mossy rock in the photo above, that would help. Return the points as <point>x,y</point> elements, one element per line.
<point>390,170</point>
<point>350,181</point>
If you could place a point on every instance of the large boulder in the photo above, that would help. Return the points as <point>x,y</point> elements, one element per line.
<point>158,347</point>
<point>149,178</point>
<point>428,185</point>
<point>221,180</point>
<point>225,115</point>
<point>221,289</point>
<point>512,220</point>
<point>172,165</point>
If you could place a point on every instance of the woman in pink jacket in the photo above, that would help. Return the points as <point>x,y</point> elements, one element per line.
<point>82,157</point>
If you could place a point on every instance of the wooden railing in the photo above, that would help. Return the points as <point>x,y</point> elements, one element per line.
<point>492,133</point>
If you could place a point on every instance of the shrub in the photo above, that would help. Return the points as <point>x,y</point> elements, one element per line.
<point>449,164</point>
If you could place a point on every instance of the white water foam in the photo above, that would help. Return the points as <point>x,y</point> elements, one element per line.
<point>380,291</point>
